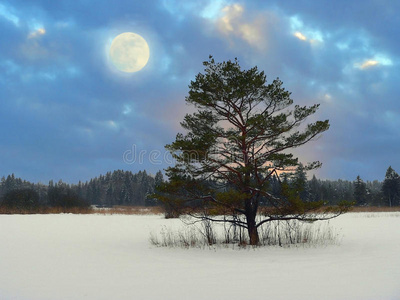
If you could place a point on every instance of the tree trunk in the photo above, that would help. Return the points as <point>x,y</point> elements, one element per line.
<point>253,234</point>
<point>252,230</point>
<point>251,207</point>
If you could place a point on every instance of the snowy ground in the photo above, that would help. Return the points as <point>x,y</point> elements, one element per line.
<point>110,257</point>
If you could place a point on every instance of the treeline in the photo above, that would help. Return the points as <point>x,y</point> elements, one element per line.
<point>114,188</point>
<point>126,188</point>
<point>334,191</point>
<point>368,193</point>
<point>120,188</point>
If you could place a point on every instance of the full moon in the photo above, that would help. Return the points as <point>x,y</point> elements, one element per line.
<point>129,52</point>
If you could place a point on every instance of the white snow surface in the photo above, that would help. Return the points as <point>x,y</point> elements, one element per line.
<point>67,256</point>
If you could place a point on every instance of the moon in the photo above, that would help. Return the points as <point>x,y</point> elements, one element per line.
<point>129,52</point>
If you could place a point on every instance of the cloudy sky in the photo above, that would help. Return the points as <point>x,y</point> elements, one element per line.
<point>66,112</point>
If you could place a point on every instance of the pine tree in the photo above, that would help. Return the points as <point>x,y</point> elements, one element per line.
<point>239,138</point>
<point>315,189</point>
<point>360,191</point>
<point>159,178</point>
<point>300,183</point>
<point>391,187</point>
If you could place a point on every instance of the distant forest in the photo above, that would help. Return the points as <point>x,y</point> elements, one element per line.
<point>113,188</point>
<point>129,189</point>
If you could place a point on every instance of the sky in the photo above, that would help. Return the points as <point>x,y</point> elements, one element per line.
<point>66,111</point>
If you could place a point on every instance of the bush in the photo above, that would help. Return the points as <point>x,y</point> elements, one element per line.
<point>206,234</point>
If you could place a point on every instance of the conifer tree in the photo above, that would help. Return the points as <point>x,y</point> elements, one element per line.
<point>360,191</point>
<point>391,187</point>
<point>239,137</point>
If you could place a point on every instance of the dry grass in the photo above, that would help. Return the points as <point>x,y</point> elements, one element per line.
<point>45,210</point>
<point>356,209</point>
<point>129,210</point>
<point>277,233</point>
<point>375,209</point>
<point>144,210</point>
<point>116,210</point>
<point>394,214</point>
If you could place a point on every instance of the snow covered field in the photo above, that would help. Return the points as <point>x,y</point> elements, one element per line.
<point>67,256</point>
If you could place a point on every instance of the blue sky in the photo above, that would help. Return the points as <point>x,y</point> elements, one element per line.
<point>67,113</point>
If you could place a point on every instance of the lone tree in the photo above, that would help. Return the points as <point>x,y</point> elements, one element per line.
<point>236,142</point>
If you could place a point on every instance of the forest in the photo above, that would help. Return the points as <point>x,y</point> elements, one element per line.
<point>136,189</point>
<point>113,188</point>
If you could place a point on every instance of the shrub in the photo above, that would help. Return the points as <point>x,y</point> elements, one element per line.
<point>276,233</point>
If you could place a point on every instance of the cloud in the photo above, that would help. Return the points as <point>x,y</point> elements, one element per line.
<point>367,64</point>
<point>233,23</point>
<point>377,60</point>
<point>63,110</point>
<point>37,33</point>
<point>305,32</point>
<point>300,36</point>
<point>8,13</point>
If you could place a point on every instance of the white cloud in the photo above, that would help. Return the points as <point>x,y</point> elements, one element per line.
<point>233,24</point>
<point>7,13</point>
<point>305,33</point>
<point>367,64</point>
<point>383,60</point>
<point>37,32</point>
<point>213,9</point>
<point>375,61</point>
<point>300,36</point>
<point>231,15</point>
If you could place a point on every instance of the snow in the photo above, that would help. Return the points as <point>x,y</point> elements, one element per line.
<point>110,257</point>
